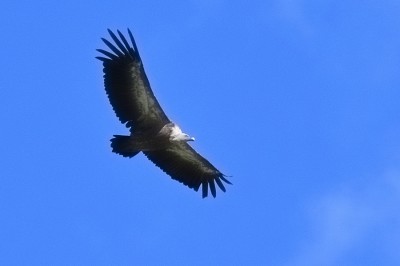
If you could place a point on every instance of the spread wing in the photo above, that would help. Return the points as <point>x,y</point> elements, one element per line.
<point>185,165</point>
<point>127,86</point>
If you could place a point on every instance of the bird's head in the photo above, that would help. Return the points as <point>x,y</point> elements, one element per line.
<point>182,137</point>
<point>176,134</point>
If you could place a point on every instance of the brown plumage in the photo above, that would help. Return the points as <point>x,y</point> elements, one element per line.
<point>152,133</point>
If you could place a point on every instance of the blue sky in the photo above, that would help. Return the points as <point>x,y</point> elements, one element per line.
<point>298,101</point>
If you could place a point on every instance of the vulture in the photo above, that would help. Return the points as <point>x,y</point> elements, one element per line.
<point>151,131</point>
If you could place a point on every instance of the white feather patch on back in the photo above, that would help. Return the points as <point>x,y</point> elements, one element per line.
<point>176,131</point>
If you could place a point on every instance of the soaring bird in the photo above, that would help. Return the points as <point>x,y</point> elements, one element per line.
<point>151,131</point>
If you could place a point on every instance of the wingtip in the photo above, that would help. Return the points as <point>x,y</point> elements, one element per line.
<point>225,180</point>
<point>133,41</point>
<point>212,188</point>
<point>103,59</point>
<point>220,184</point>
<point>129,31</point>
<point>204,189</point>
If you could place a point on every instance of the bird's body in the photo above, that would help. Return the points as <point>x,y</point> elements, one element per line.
<point>152,133</point>
<point>146,141</point>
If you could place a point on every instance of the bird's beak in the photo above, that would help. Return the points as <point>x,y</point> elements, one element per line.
<point>191,139</point>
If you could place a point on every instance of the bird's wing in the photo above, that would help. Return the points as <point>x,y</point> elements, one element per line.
<point>127,86</point>
<point>185,165</point>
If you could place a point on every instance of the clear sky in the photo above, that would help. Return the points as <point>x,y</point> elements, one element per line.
<point>298,101</point>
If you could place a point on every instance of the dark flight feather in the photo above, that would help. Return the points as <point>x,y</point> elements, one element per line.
<point>134,103</point>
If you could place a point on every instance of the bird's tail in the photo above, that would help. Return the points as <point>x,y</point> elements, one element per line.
<point>123,145</point>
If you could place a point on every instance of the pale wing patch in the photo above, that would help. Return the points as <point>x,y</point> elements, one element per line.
<point>175,131</point>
